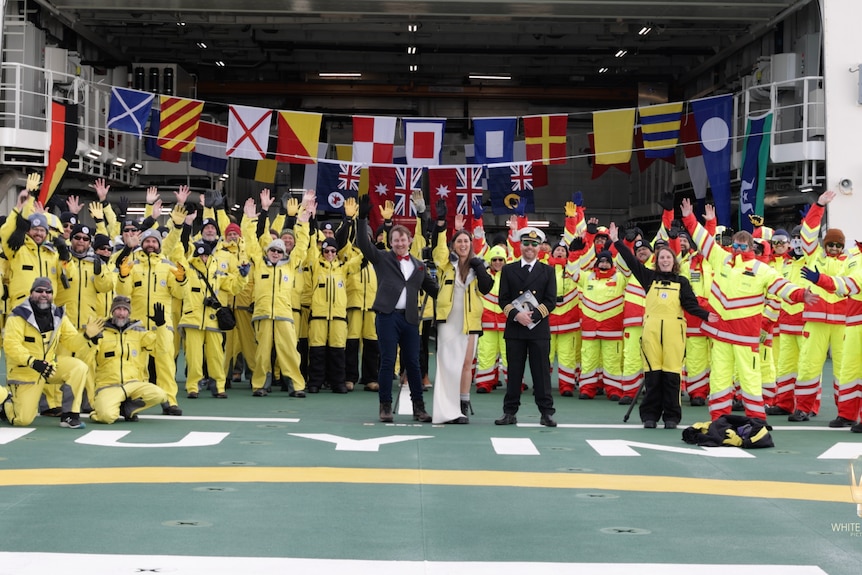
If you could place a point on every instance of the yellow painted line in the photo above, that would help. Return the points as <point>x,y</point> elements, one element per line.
<point>638,483</point>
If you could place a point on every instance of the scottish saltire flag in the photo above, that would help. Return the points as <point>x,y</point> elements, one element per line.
<point>660,125</point>
<point>129,110</point>
<point>714,117</point>
<point>511,185</point>
<point>423,140</point>
<point>210,153</point>
<point>494,139</point>
<point>755,157</point>
<point>336,181</point>
<point>613,131</point>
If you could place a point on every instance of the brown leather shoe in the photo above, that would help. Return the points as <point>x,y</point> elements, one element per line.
<point>419,413</point>
<point>372,386</point>
<point>386,412</point>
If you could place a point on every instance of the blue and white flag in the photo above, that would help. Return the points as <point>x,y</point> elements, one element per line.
<point>755,157</point>
<point>714,118</point>
<point>129,110</point>
<point>511,188</point>
<point>336,181</point>
<point>494,140</point>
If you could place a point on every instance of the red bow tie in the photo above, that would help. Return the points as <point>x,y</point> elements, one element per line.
<point>404,258</point>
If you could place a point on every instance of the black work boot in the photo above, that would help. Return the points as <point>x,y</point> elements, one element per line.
<point>386,411</point>
<point>419,413</point>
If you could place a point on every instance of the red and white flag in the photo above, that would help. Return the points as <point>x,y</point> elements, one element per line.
<point>248,132</point>
<point>373,139</point>
<point>423,140</point>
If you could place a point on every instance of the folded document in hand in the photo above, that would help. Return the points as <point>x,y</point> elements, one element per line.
<point>527,302</point>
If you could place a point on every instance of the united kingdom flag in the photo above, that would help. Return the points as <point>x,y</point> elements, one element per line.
<point>469,187</point>
<point>407,181</point>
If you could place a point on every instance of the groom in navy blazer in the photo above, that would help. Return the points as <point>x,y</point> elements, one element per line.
<point>400,277</point>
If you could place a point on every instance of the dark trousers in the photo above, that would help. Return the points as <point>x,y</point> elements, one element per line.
<point>517,352</point>
<point>370,364</point>
<point>393,331</point>
<point>661,397</point>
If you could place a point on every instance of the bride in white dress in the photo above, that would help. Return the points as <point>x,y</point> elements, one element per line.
<point>463,279</point>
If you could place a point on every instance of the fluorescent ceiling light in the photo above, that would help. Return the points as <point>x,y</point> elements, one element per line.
<point>202,45</point>
<point>538,223</point>
<point>490,76</point>
<point>119,161</point>
<point>413,67</point>
<point>603,69</point>
<point>412,27</point>
<point>620,53</point>
<point>220,63</point>
<point>136,167</point>
<point>411,50</point>
<point>94,154</point>
<point>645,30</point>
<point>340,75</point>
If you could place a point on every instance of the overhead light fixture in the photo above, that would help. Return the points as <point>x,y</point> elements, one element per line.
<point>202,45</point>
<point>411,50</point>
<point>645,30</point>
<point>412,27</point>
<point>223,177</point>
<point>490,76</point>
<point>620,53</point>
<point>414,67</point>
<point>181,24</point>
<point>94,154</point>
<point>119,161</point>
<point>136,167</point>
<point>603,69</point>
<point>220,63</point>
<point>538,223</point>
<point>135,210</point>
<point>340,75</point>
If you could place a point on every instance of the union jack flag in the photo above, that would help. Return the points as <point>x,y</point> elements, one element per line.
<point>348,176</point>
<point>407,181</point>
<point>469,187</point>
<point>522,176</point>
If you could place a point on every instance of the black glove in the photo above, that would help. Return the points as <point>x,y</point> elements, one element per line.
<point>46,368</point>
<point>577,244</point>
<point>158,316</point>
<point>364,207</point>
<point>244,269</point>
<point>675,229</point>
<point>592,228</point>
<point>62,249</point>
<point>284,199</point>
<point>631,234</point>
<point>97,265</point>
<point>16,240</point>
<point>213,199</point>
<point>666,201</point>
<point>441,210</point>
<point>477,264</point>
<point>122,208</point>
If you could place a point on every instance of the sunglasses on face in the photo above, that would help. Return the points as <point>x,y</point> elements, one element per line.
<point>43,290</point>
<point>834,245</point>
<point>529,243</point>
<point>778,242</point>
<point>740,247</point>
<point>329,251</point>
<point>67,225</point>
<point>81,238</point>
<point>276,251</point>
<point>497,260</point>
<point>129,230</point>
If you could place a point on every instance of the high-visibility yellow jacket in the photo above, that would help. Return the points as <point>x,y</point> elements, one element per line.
<point>121,353</point>
<point>739,288</point>
<point>24,343</point>
<point>473,306</point>
<point>830,307</point>
<point>602,303</point>
<point>848,285</point>
<point>329,285</point>
<point>790,318</point>
<point>698,272</point>
<point>151,281</point>
<point>82,296</point>
<point>225,282</point>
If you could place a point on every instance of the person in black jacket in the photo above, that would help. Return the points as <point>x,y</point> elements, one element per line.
<point>400,276</point>
<point>663,342</point>
<point>527,332</point>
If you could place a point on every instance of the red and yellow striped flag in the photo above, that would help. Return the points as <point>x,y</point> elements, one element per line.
<point>179,121</point>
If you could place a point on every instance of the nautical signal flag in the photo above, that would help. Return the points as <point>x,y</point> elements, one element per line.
<point>614,130</point>
<point>714,117</point>
<point>494,139</point>
<point>545,137</point>
<point>210,153</point>
<point>423,140</point>
<point>511,188</point>
<point>128,110</point>
<point>336,181</point>
<point>258,170</point>
<point>693,156</point>
<point>179,121</point>
<point>151,142</point>
<point>660,125</point>
<point>248,132</point>
<point>373,139</point>
<point>64,142</point>
<point>298,137</point>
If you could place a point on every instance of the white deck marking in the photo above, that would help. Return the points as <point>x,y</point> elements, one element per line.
<point>513,446</point>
